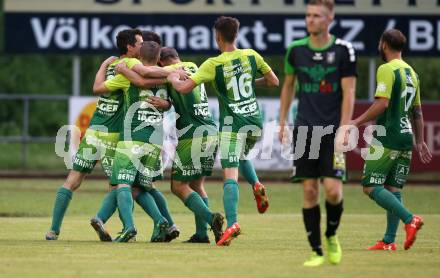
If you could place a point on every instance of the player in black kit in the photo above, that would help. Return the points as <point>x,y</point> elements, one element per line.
<point>322,69</point>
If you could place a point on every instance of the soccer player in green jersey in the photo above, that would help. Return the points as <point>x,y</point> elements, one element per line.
<point>158,197</point>
<point>100,139</point>
<point>195,152</point>
<point>234,76</point>
<point>137,161</point>
<point>387,164</point>
<point>191,164</point>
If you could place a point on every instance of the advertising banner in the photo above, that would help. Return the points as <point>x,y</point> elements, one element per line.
<point>222,6</point>
<point>90,27</point>
<point>269,154</point>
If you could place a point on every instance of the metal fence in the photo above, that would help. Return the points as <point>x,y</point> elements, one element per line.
<point>25,138</point>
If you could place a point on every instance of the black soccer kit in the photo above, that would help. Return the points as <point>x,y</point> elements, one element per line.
<point>318,73</point>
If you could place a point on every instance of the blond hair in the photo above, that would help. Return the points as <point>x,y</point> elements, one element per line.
<point>329,4</point>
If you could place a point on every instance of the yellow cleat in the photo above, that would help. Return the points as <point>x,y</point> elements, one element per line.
<point>334,250</point>
<point>314,260</point>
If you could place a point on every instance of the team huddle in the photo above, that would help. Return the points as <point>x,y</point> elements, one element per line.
<point>126,133</point>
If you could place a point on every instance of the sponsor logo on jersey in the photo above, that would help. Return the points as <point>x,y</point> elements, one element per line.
<point>381,87</point>
<point>377,178</point>
<point>317,74</point>
<point>331,57</point>
<point>107,105</point>
<point>405,125</point>
<point>406,154</point>
<point>323,87</point>
<point>402,172</point>
<point>393,154</point>
<point>317,56</point>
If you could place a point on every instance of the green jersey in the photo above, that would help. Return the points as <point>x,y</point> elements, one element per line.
<point>109,111</point>
<point>141,120</point>
<point>399,83</point>
<point>233,76</point>
<point>192,109</point>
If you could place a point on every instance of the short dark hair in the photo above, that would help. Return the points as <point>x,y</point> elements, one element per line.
<point>150,51</point>
<point>329,4</point>
<point>395,39</point>
<point>168,53</point>
<point>126,37</point>
<point>227,27</point>
<point>151,36</point>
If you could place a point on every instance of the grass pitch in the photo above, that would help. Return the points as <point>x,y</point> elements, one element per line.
<point>272,245</point>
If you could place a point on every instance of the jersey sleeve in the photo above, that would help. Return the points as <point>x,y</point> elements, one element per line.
<point>132,62</point>
<point>348,62</point>
<point>192,67</point>
<point>385,80</point>
<point>170,67</point>
<point>205,73</point>
<point>288,66</point>
<point>262,66</point>
<point>116,83</point>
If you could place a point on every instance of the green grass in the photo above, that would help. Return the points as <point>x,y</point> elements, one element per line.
<point>272,245</point>
<point>39,156</point>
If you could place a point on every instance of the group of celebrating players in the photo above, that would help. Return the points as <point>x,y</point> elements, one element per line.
<point>135,89</point>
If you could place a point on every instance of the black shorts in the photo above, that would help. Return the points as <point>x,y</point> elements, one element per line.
<point>319,161</point>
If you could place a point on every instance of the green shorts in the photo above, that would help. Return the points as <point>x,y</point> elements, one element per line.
<point>95,146</point>
<point>391,168</point>
<point>137,164</point>
<point>194,158</point>
<point>235,147</point>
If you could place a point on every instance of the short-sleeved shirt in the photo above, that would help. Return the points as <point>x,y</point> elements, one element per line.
<point>399,83</point>
<point>109,108</point>
<point>318,74</point>
<point>192,108</point>
<point>142,122</point>
<point>233,76</point>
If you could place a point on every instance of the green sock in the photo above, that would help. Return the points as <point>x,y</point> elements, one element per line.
<point>125,206</point>
<point>62,201</point>
<point>108,207</point>
<point>230,201</point>
<point>122,221</point>
<point>161,203</point>
<point>248,171</point>
<point>388,201</point>
<point>201,224</point>
<point>146,201</point>
<point>120,216</point>
<point>132,213</point>
<point>195,203</point>
<point>392,222</point>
